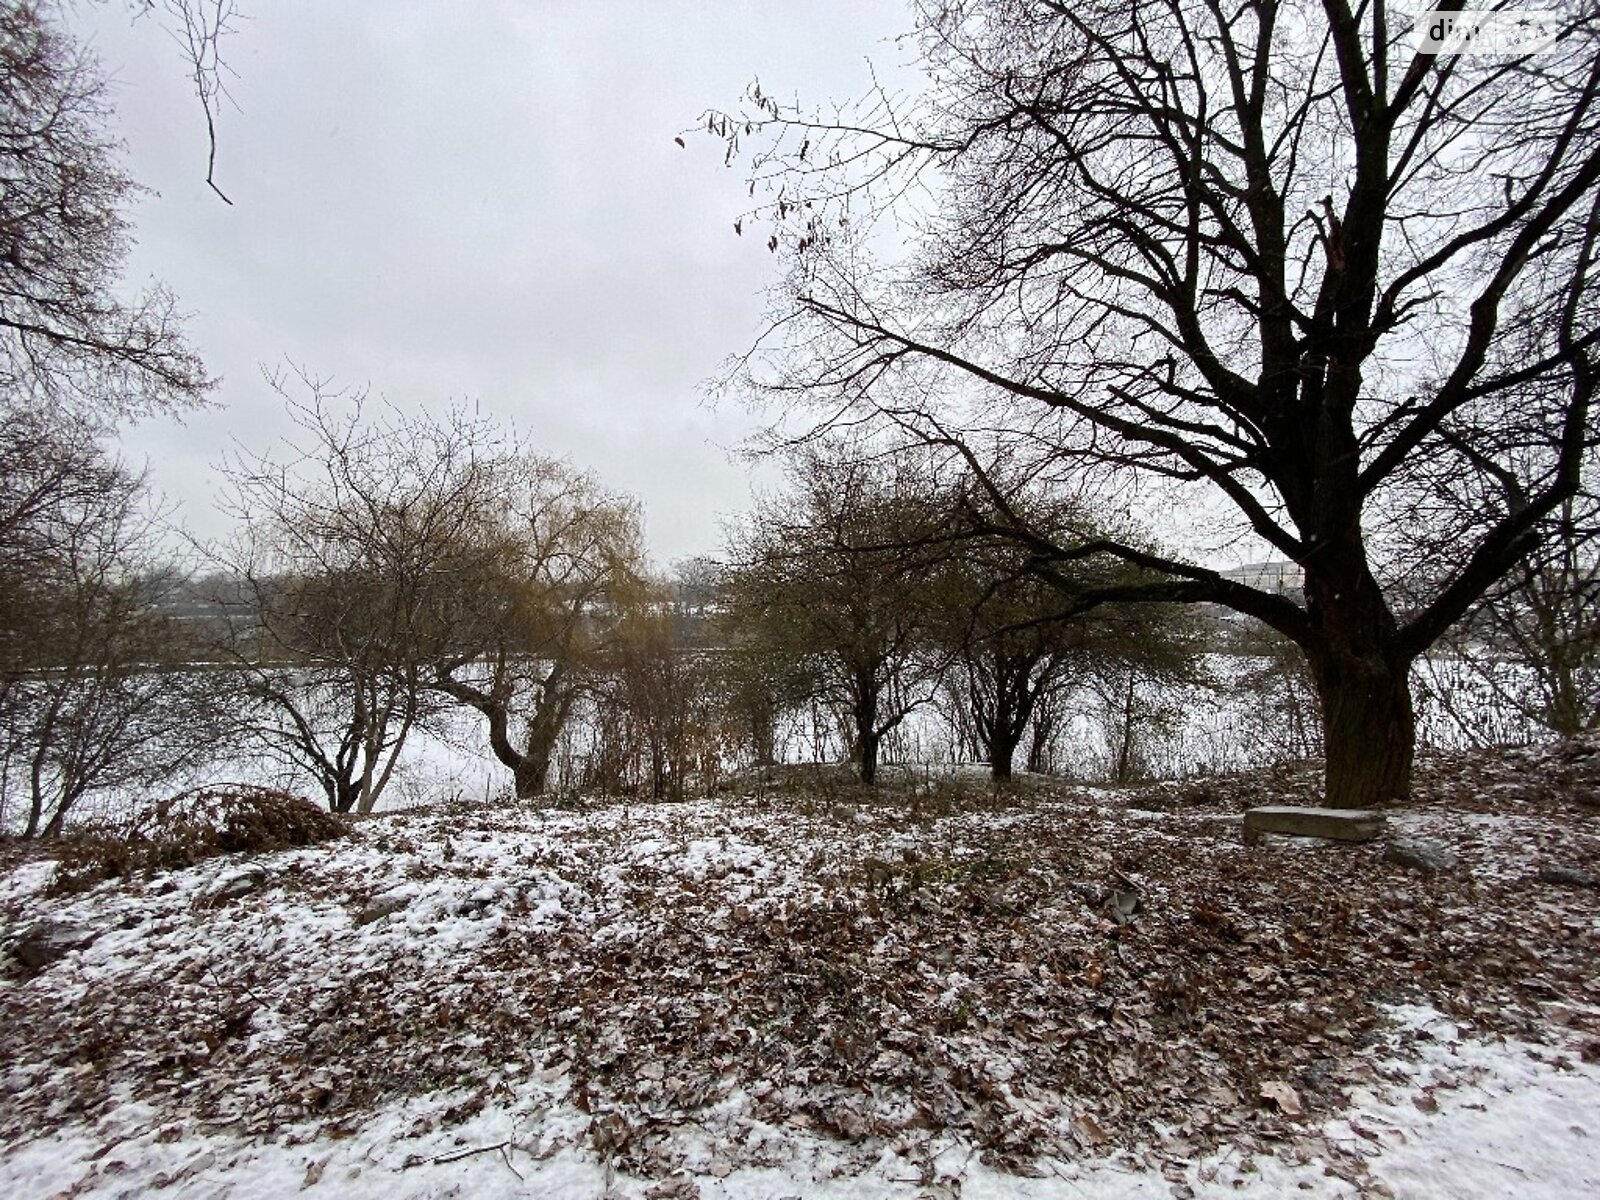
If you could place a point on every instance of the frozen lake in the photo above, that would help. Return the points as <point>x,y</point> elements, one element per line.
<point>1254,716</point>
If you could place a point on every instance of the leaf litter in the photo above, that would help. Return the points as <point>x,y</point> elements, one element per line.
<point>1016,987</point>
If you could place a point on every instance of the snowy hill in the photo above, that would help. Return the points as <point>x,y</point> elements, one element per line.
<point>796,989</point>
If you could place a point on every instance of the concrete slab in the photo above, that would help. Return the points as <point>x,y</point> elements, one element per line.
<point>1339,824</point>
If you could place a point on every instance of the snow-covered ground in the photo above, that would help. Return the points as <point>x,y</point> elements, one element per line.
<point>794,990</point>
<point>1466,1120</point>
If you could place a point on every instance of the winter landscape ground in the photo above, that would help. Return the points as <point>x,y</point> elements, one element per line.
<point>800,989</point>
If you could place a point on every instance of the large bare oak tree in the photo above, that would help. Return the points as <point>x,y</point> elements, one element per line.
<point>1269,250</point>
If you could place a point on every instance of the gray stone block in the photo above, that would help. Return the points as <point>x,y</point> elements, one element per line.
<point>49,941</point>
<point>1427,857</point>
<point>1339,824</point>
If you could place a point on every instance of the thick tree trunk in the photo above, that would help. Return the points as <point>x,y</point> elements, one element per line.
<point>1002,750</point>
<point>344,794</point>
<point>1123,771</point>
<point>764,736</point>
<point>529,776</point>
<point>1003,693</point>
<point>1368,729</point>
<point>530,768</point>
<point>997,728</point>
<point>864,694</point>
<point>1363,682</point>
<point>544,731</point>
<point>868,749</point>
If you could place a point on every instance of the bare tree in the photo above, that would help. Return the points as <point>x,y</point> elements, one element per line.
<point>43,479</point>
<point>996,621</point>
<point>1271,250</point>
<point>68,339</point>
<point>395,564</point>
<point>1273,679</point>
<point>86,706</point>
<point>392,564</point>
<point>95,694</point>
<point>1050,714</point>
<point>832,574</point>
<point>340,581</point>
<point>75,356</point>
<point>762,684</point>
<point>1144,666</point>
<point>1534,643</point>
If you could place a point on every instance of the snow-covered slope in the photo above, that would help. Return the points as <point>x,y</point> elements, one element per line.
<point>783,992</point>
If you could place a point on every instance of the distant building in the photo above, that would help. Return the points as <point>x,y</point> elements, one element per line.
<point>1282,578</point>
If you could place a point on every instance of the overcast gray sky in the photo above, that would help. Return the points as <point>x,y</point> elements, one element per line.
<point>478,201</point>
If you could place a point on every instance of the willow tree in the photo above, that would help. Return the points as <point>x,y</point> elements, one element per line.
<point>1542,621</point>
<point>1270,250</point>
<point>561,561</point>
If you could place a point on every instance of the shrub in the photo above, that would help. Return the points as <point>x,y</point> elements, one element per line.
<point>185,829</point>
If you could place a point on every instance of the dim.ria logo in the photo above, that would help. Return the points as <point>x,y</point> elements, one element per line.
<point>1484,32</point>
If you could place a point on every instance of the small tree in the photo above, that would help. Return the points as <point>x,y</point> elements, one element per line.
<point>762,686</point>
<point>660,721</point>
<point>1535,642</point>
<point>341,579</point>
<point>1273,680</point>
<point>1141,662</point>
<point>1050,713</point>
<point>832,574</point>
<point>995,623</point>
<point>94,691</point>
